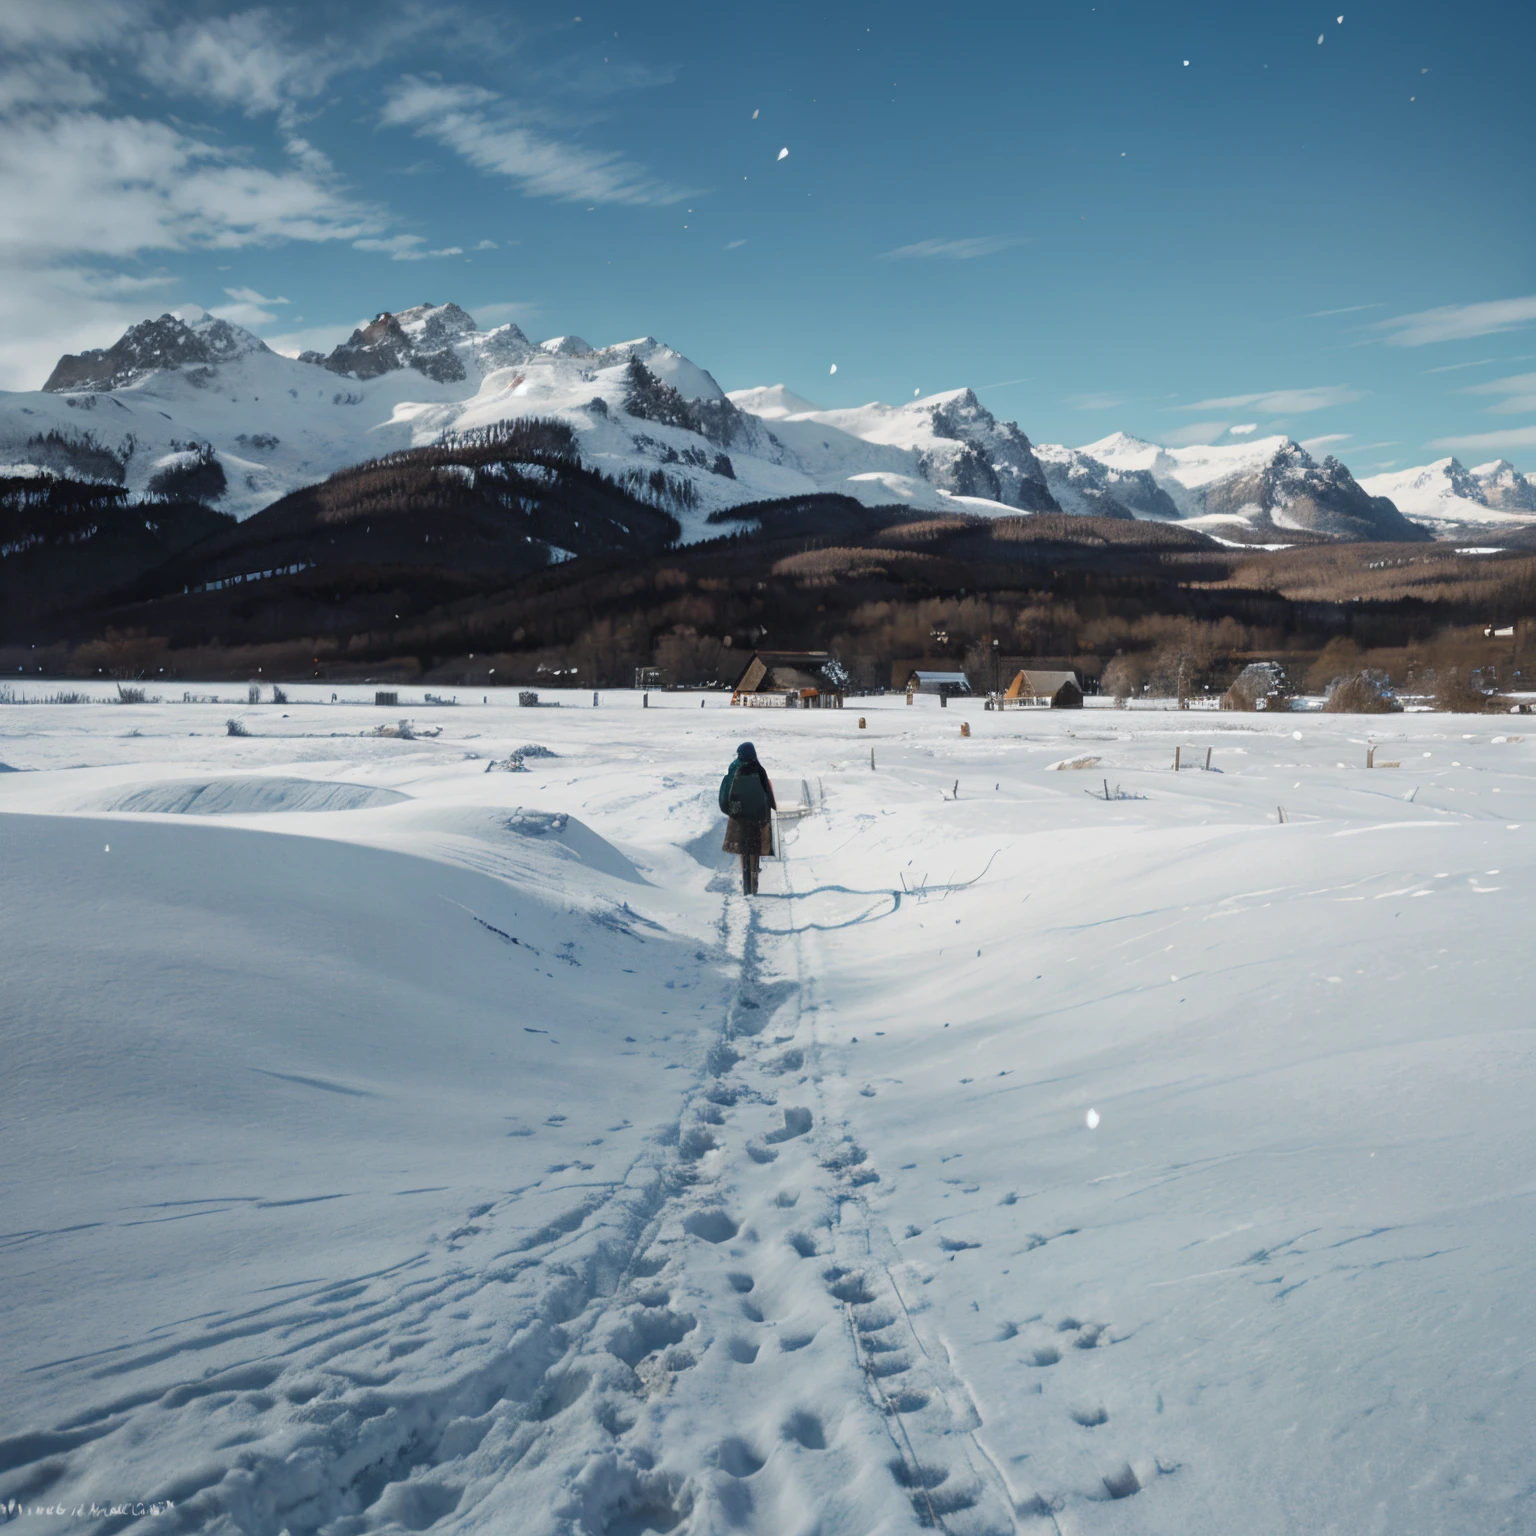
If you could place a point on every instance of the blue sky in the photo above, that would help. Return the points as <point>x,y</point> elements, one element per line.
<point>1179,221</point>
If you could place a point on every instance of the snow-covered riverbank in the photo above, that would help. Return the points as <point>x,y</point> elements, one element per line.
<point>474,1157</point>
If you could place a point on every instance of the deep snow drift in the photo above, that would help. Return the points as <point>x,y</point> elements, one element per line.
<point>397,1145</point>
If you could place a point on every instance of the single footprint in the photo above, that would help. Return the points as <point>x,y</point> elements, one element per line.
<point>806,1430</point>
<point>1122,1482</point>
<point>797,1122</point>
<point>714,1226</point>
<point>737,1459</point>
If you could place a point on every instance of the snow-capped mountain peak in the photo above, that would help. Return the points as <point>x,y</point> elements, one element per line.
<point>197,400</point>
<point>773,402</point>
<point>1122,451</point>
<point>1504,487</point>
<point>1448,496</point>
<point>193,339</point>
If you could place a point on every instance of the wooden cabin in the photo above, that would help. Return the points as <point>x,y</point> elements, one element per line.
<point>790,680</point>
<point>1053,690</point>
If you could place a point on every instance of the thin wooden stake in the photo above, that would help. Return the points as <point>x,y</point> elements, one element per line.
<point>1281,809</point>
<point>1106,789</point>
<point>1176,752</point>
<point>871,759</point>
<point>1207,759</point>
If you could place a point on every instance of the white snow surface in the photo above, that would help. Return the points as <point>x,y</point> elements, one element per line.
<point>411,1147</point>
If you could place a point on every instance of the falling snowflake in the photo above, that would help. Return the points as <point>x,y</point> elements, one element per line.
<point>1186,63</point>
<point>1092,1118</point>
<point>834,367</point>
<point>755,111</point>
<point>916,393</point>
<point>1319,39</point>
<point>783,154</point>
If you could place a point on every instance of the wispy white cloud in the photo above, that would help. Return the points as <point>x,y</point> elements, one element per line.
<point>1095,402</point>
<point>1243,429</point>
<point>49,82</point>
<point>1195,432</point>
<point>404,247</point>
<point>1519,392</point>
<point>1348,309</point>
<point>115,187</point>
<point>1512,437</point>
<point>250,296</point>
<point>245,60</point>
<point>486,131</point>
<point>1282,401</point>
<point>1327,440</point>
<point>487,245</point>
<point>249,308</point>
<point>954,250</point>
<point>1482,362</point>
<point>36,24</point>
<point>734,245</point>
<point>1458,322</point>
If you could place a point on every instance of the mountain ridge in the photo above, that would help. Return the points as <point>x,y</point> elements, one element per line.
<point>194,402</point>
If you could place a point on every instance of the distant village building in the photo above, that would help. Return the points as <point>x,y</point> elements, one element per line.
<point>946,684</point>
<point>789,680</point>
<point>1054,690</point>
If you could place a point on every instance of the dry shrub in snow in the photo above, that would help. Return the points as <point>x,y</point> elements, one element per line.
<point>1368,692</point>
<point>1456,692</point>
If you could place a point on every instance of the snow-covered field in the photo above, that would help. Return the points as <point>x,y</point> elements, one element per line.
<point>393,1145</point>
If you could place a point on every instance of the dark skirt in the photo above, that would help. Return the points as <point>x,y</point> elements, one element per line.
<point>741,834</point>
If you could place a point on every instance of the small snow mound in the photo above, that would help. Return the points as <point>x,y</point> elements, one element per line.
<point>576,840</point>
<point>249,797</point>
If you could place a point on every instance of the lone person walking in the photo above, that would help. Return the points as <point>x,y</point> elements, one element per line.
<point>746,796</point>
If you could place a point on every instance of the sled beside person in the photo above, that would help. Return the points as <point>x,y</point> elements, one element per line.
<point>746,797</point>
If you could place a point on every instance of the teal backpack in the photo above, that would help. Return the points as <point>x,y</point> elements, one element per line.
<point>746,798</point>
